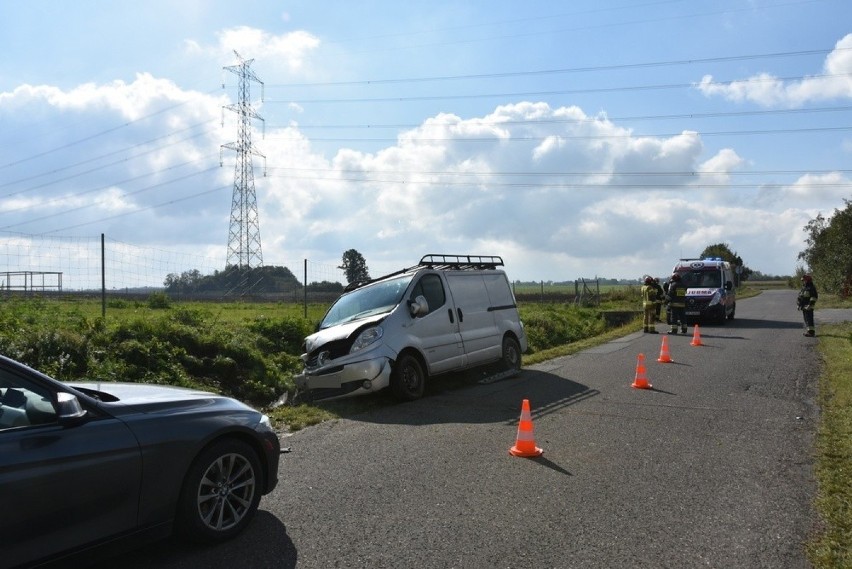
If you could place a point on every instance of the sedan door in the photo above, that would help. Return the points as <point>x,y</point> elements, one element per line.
<point>61,486</point>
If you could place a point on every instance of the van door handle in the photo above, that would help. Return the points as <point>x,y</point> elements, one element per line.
<point>450,314</point>
<point>461,316</point>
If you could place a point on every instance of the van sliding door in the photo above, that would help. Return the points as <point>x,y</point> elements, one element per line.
<point>479,333</point>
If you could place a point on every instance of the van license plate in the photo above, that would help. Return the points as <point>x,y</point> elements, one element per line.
<point>692,313</point>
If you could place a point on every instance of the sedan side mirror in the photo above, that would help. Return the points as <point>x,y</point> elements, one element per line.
<point>68,409</point>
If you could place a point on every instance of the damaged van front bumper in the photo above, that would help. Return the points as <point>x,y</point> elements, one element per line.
<point>354,378</point>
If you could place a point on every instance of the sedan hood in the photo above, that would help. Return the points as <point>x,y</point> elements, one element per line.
<point>148,397</point>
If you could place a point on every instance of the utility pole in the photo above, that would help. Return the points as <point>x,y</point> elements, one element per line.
<point>244,251</point>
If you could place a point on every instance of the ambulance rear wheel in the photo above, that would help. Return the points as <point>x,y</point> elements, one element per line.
<point>408,380</point>
<point>511,355</point>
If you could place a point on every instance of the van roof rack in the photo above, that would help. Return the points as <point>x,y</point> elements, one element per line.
<point>468,262</point>
<point>440,261</point>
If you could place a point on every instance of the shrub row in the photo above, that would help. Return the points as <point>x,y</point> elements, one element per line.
<point>166,343</point>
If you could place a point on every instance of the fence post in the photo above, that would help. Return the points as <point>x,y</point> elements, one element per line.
<point>103,278</point>
<point>305,295</point>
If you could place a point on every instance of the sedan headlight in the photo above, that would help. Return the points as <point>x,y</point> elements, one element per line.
<point>366,338</point>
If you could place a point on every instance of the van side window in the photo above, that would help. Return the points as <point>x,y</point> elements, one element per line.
<point>430,286</point>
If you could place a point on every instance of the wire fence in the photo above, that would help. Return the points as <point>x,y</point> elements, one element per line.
<point>99,266</point>
<point>45,264</point>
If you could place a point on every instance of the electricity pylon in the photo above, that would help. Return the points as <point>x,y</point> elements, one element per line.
<point>244,249</point>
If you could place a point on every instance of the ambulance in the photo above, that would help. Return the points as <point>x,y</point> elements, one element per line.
<point>710,292</point>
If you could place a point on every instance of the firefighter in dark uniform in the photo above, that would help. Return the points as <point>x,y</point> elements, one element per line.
<point>649,306</point>
<point>661,295</point>
<point>676,297</point>
<point>806,300</point>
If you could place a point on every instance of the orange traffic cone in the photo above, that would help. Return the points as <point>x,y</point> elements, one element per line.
<point>696,337</point>
<point>641,382</point>
<point>665,357</point>
<point>525,442</point>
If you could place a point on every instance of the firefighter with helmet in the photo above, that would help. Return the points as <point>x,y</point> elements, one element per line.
<point>806,301</point>
<point>676,298</point>
<point>661,295</point>
<point>649,306</point>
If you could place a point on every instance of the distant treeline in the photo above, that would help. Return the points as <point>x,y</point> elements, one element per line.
<point>254,280</point>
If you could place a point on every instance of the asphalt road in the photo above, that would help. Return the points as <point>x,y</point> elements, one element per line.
<point>712,467</point>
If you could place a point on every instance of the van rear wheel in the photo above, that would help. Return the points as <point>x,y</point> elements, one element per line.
<point>408,380</point>
<point>511,355</point>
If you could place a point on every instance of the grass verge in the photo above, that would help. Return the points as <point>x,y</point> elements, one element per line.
<point>832,547</point>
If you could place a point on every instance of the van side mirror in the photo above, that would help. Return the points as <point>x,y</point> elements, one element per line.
<point>729,285</point>
<point>418,306</point>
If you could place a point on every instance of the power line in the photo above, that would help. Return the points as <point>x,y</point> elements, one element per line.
<point>139,210</point>
<point>629,135</point>
<point>469,173</point>
<point>617,67</point>
<point>97,203</point>
<point>592,119</point>
<point>96,158</point>
<point>112,185</point>
<point>96,135</point>
<point>628,88</point>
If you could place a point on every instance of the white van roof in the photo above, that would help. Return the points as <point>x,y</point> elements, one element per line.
<point>696,264</point>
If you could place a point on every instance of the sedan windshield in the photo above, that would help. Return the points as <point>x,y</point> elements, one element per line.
<point>373,299</point>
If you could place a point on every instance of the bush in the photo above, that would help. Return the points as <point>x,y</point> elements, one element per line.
<point>159,300</point>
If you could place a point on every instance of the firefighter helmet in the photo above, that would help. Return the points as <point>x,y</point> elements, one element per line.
<point>807,278</point>
<point>648,280</point>
<point>675,277</point>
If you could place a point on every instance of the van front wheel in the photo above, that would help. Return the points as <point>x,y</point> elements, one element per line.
<point>511,355</point>
<point>408,380</point>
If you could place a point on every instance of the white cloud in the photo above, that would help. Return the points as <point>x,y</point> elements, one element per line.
<point>558,193</point>
<point>290,48</point>
<point>536,189</point>
<point>769,91</point>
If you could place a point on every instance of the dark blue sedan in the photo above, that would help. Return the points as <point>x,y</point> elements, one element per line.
<point>85,467</point>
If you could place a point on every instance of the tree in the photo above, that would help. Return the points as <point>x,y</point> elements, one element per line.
<point>723,251</point>
<point>829,250</point>
<point>354,266</point>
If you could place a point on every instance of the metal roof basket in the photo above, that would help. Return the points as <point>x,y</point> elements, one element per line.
<point>461,262</point>
<point>441,262</point>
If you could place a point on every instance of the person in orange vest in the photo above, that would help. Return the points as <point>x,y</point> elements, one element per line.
<point>649,306</point>
<point>806,301</point>
<point>676,297</point>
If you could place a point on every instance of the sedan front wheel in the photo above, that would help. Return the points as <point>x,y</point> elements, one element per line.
<point>221,492</point>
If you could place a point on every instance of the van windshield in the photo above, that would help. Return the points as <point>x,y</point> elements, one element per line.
<point>701,279</point>
<point>370,300</point>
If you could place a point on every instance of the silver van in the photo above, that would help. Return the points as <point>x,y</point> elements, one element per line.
<point>445,314</point>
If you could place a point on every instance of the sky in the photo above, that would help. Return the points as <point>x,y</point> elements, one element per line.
<point>600,138</point>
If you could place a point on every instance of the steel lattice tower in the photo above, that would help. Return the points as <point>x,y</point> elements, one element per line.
<point>244,249</point>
